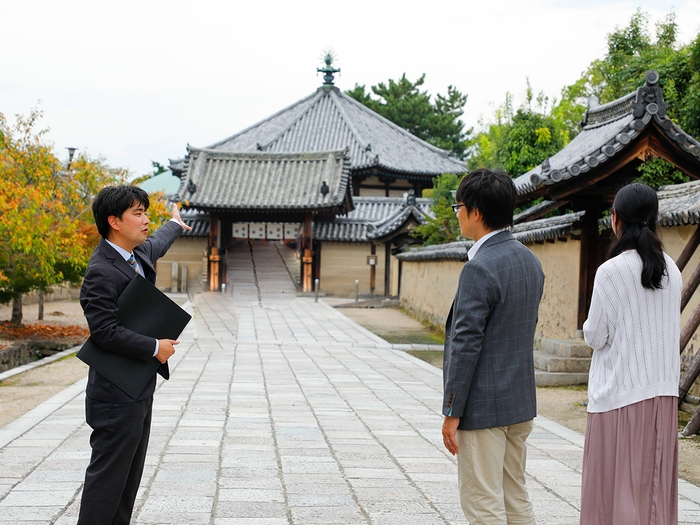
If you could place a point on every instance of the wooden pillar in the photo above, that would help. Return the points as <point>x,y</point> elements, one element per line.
<point>214,257</point>
<point>689,250</point>
<point>690,287</point>
<point>224,242</point>
<point>693,370</point>
<point>317,263</point>
<point>307,258</point>
<point>373,272</point>
<point>591,257</point>
<point>584,281</point>
<point>387,269</point>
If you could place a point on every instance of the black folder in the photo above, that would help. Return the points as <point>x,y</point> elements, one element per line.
<point>146,310</point>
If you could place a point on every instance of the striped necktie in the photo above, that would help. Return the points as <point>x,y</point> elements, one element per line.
<point>132,262</point>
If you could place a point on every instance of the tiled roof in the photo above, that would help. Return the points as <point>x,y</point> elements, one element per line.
<point>528,232</point>
<point>679,204</point>
<point>607,130</point>
<point>330,120</point>
<point>259,181</point>
<point>372,218</point>
<point>199,222</point>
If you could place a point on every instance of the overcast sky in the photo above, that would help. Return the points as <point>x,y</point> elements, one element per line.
<point>136,81</point>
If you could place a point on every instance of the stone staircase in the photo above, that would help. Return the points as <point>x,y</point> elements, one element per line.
<point>561,362</point>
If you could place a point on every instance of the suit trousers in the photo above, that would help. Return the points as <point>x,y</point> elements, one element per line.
<point>491,468</point>
<point>119,441</point>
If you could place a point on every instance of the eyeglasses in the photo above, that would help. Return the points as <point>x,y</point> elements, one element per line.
<point>456,207</point>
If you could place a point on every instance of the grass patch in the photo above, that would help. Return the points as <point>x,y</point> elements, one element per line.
<point>683,419</point>
<point>434,357</point>
<point>575,388</point>
<point>438,332</point>
<point>418,339</point>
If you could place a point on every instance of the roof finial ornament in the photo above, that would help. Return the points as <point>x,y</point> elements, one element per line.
<point>328,58</point>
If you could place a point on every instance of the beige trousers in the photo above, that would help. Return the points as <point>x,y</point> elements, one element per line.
<point>491,467</point>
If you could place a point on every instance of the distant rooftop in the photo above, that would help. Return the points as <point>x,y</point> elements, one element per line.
<point>261,181</point>
<point>607,131</point>
<point>331,120</point>
<point>165,182</point>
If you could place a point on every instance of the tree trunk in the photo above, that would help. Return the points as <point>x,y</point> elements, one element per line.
<point>40,312</point>
<point>16,311</point>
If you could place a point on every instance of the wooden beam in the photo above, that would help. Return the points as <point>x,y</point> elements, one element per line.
<point>689,377</point>
<point>689,250</point>
<point>590,258</point>
<point>387,269</point>
<point>673,153</point>
<point>214,257</point>
<point>690,287</point>
<point>693,425</point>
<point>373,272</point>
<point>544,211</point>
<point>586,180</point>
<point>690,327</point>
<point>688,407</point>
<point>307,258</point>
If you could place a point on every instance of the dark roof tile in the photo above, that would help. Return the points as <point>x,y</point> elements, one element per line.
<point>330,119</point>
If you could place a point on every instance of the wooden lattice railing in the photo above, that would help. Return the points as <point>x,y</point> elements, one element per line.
<point>686,402</point>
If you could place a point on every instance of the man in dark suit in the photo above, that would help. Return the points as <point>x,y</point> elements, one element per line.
<point>489,378</point>
<point>121,424</point>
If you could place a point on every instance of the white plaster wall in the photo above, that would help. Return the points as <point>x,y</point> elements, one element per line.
<point>428,287</point>
<point>187,251</point>
<point>558,315</point>
<point>343,262</point>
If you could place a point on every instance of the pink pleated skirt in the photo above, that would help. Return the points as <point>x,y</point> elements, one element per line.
<point>630,465</point>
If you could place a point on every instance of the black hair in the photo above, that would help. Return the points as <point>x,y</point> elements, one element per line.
<point>115,200</point>
<point>493,193</point>
<point>637,207</point>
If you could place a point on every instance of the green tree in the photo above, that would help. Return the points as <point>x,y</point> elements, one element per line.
<point>46,236</point>
<point>631,52</point>
<point>517,141</point>
<point>445,226</point>
<point>403,103</point>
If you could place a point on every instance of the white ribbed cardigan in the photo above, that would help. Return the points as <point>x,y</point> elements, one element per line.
<point>634,333</point>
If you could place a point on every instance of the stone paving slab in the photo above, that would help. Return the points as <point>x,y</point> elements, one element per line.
<point>282,411</point>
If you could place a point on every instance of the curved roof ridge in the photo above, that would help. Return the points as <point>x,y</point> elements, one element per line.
<point>395,126</point>
<point>261,122</point>
<point>614,110</point>
<point>671,190</point>
<point>218,153</point>
<point>368,199</point>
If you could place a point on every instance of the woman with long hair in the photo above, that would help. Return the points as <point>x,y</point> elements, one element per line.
<point>630,458</point>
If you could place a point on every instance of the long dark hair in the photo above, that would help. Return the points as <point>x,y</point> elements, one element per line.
<point>637,207</point>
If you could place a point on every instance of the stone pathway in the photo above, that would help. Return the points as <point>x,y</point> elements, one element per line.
<point>281,410</point>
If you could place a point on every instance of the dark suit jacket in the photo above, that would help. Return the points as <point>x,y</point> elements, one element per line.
<point>488,368</point>
<point>106,277</point>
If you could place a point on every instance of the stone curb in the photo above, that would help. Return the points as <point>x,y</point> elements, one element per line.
<point>39,362</point>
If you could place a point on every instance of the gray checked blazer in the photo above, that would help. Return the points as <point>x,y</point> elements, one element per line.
<point>488,369</point>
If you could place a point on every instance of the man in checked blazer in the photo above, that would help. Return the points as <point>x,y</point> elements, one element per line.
<point>120,424</point>
<point>489,378</point>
